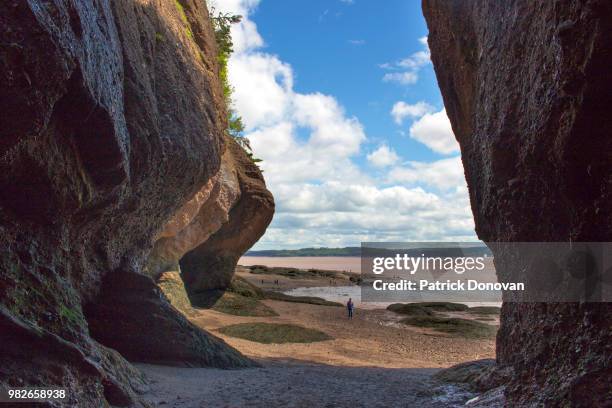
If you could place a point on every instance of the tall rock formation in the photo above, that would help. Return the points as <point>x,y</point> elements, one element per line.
<point>210,265</point>
<point>113,119</point>
<point>527,87</point>
<point>210,233</point>
<point>197,220</point>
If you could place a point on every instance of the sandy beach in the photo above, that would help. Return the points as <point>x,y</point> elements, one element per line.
<point>371,360</point>
<point>299,386</point>
<point>372,338</point>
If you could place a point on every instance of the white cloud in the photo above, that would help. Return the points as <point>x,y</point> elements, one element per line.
<point>434,131</point>
<point>357,42</point>
<point>351,213</point>
<point>416,60</point>
<point>262,87</point>
<point>444,174</point>
<point>323,15</point>
<point>408,68</point>
<point>383,157</point>
<point>349,2</point>
<point>402,110</point>
<point>404,78</point>
<point>332,139</point>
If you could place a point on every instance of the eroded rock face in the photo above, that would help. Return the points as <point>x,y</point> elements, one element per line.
<point>112,119</point>
<point>197,220</point>
<point>211,265</point>
<point>527,88</point>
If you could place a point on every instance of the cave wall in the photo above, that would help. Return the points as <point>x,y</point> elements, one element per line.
<point>113,118</point>
<point>527,88</point>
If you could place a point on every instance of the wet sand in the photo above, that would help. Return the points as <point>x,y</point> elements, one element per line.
<point>268,281</point>
<point>372,361</point>
<point>332,263</point>
<point>372,338</point>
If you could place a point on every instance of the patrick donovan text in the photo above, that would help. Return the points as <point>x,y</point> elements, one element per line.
<point>457,285</point>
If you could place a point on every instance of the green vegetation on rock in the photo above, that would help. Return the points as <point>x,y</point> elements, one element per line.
<point>184,19</point>
<point>485,310</point>
<point>231,303</point>
<point>411,309</point>
<point>243,287</point>
<point>274,333</point>
<point>451,325</point>
<point>74,316</point>
<point>444,306</point>
<point>293,273</point>
<point>426,308</point>
<point>222,24</point>
<point>312,300</point>
<point>171,285</point>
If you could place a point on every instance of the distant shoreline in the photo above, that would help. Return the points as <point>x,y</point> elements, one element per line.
<point>356,252</point>
<point>307,252</point>
<point>328,263</point>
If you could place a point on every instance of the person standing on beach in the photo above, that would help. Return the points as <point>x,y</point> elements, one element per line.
<point>350,306</point>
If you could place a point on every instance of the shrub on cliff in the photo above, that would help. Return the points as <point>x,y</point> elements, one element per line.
<point>222,24</point>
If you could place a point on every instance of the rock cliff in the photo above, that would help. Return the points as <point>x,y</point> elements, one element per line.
<point>527,88</point>
<point>197,220</point>
<point>210,233</point>
<point>210,265</point>
<point>113,122</point>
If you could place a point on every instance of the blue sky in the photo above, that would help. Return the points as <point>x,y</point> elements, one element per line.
<point>336,48</point>
<point>341,102</point>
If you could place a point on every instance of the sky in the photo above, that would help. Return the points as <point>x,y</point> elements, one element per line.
<point>340,101</point>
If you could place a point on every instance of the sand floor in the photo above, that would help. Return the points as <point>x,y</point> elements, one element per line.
<point>299,385</point>
<point>372,338</point>
<point>373,361</point>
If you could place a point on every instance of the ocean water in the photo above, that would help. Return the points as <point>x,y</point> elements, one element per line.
<point>334,263</point>
<point>343,293</point>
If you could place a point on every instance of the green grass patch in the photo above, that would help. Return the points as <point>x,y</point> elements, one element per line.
<point>444,306</point>
<point>238,305</point>
<point>293,273</point>
<point>485,310</point>
<point>244,288</point>
<point>269,333</point>
<point>411,309</point>
<point>184,18</point>
<point>451,325</point>
<point>72,315</point>
<point>300,299</point>
<point>171,284</point>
